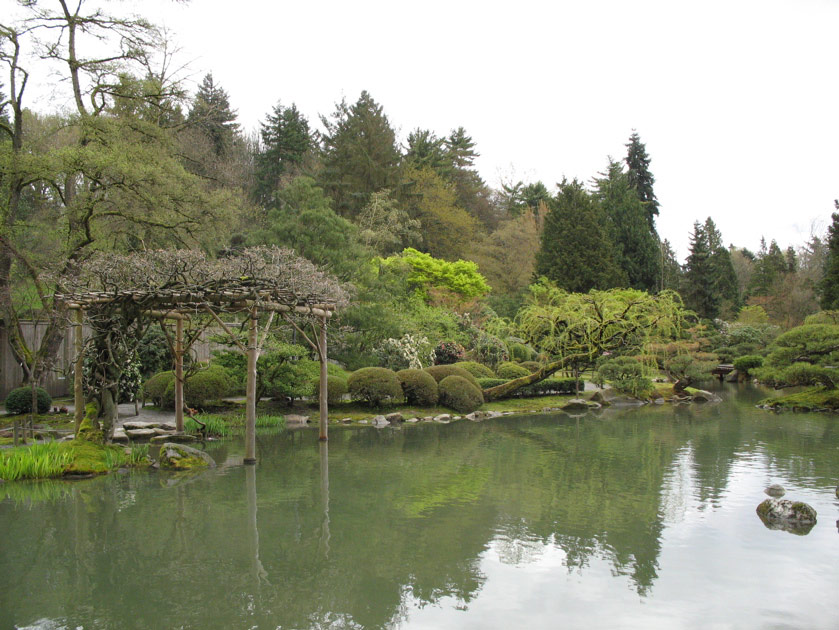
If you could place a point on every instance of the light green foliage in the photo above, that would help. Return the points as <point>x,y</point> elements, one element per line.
<point>385,227</point>
<point>39,461</point>
<point>376,386</point>
<point>751,315</point>
<point>419,387</point>
<point>459,394</point>
<point>19,400</point>
<point>626,375</point>
<point>520,352</point>
<point>423,272</point>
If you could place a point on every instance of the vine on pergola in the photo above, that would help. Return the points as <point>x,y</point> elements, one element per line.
<point>121,295</point>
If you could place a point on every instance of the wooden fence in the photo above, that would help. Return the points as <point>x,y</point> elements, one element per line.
<point>59,381</point>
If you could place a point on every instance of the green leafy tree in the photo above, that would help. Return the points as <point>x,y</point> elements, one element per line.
<point>424,272</point>
<point>829,284</point>
<point>805,355</point>
<point>576,252</point>
<point>640,177</point>
<point>385,227</point>
<point>360,155</point>
<point>286,140</point>
<point>637,250</point>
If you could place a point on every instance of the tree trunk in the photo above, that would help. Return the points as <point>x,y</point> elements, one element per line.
<point>506,389</point>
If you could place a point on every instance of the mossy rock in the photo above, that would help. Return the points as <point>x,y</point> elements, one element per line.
<point>88,429</point>
<point>182,457</point>
<point>795,517</point>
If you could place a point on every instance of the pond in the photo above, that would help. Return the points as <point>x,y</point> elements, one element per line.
<point>640,518</point>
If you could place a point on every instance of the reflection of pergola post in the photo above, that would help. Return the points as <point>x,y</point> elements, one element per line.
<point>179,375</point>
<point>78,371</point>
<point>250,412</point>
<point>324,412</point>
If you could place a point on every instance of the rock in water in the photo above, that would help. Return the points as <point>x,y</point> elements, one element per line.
<point>792,516</point>
<point>183,457</point>
<point>775,490</point>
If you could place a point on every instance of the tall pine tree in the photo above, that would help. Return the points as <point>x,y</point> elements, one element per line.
<point>212,114</point>
<point>640,177</point>
<point>698,288</point>
<point>285,142</point>
<point>576,251</point>
<point>829,285</point>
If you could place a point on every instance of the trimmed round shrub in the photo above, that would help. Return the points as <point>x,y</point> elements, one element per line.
<point>520,352</point>
<point>20,400</point>
<point>486,383</point>
<point>478,370</point>
<point>459,394</point>
<point>533,366</point>
<point>439,372</point>
<point>747,363</point>
<point>512,370</point>
<point>419,387</point>
<point>336,387</point>
<point>154,389</point>
<point>376,386</point>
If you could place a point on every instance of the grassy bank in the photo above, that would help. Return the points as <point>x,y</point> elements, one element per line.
<point>50,460</point>
<point>817,399</point>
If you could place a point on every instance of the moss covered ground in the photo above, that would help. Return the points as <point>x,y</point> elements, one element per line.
<point>816,399</point>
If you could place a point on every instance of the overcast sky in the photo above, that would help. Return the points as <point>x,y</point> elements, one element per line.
<point>735,100</point>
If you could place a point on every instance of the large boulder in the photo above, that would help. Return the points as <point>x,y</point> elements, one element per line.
<point>182,457</point>
<point>795,517</point>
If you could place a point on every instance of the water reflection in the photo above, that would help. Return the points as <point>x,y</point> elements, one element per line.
<point>507,520</point>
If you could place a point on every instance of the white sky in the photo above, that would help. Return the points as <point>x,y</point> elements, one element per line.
<point>735,100</point>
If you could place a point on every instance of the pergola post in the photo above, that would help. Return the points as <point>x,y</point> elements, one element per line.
<point>324,410</point>
<point>179,375</point>
<point>250,415</point>
<point>78,371</point>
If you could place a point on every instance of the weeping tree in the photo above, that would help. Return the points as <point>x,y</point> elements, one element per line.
<point>574,329</point>
<point>123,294</point>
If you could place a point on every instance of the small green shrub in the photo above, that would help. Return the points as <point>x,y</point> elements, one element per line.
<point>439,372</point>
<point>550,386</point>
<point>512,370</point>
<point>377,386</point>
<point>459,394</point>
<point>747,363</point>
<point>154,389</point>
<point>20,400</point>
<point>419,387</point>
<point>533,366</point>
<point>336,387</point>
<point>211,383</point>
<point>478,370</point>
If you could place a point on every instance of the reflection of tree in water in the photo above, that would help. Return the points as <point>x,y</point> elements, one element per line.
<point>347,537</point>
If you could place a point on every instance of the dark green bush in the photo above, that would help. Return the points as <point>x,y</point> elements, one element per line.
<point>486,383</point>
<point>377,386</point>
<point>439,372</point>
<point>236,366</point>
<point>336,387</point>
<point>626,375</point>
<point>20,400</point>
<point>448,352</point>
<point>533,366</point>
<point>511,370</point>
<point>476,369</point>
<point>747,363</point>
<point>419,387</point>
<point>154,389</point>
<point>550,386</point>
<point>459,394</point>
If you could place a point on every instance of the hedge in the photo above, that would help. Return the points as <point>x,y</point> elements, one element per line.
<point>375,385</point>
<point>478,370</point>
<point>20,400</point>
<point>511,370</point>
<point>419,387</point>
<point>336,387</point>
<point>459,394</point>
<point>544,387</point>
<point>439,372</point>
<point>212,383</point>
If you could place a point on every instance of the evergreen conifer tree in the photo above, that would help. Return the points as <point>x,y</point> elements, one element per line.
<point>576,251</point>
<point>699,292</point>
<point>829,285</point>
<point>640,177</point>
<point>212,114</point>
<point>285,141</point>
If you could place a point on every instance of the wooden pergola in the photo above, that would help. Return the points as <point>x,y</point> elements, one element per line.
<point>306,303</point>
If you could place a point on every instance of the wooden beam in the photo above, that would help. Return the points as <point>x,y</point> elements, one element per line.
<point>179,375</point>
<point>324,411</point>
<point>250,413</point>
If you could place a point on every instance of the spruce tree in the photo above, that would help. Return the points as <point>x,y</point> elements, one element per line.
<point>829,285</point>
<point>359,154</point>
<point>698,289</point>
<point>723,276</point>
<point>637,250</point>
<point>212,114</point>
<point>640,177</point>
<point>576,251</point>
<point>285,142</point>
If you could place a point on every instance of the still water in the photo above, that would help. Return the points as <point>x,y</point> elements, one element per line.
<point>640,518</point>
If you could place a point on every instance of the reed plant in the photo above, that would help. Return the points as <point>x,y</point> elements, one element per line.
<point>39,461</point>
